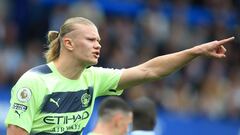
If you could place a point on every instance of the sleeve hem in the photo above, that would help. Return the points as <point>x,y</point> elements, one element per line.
<point>19,125</point>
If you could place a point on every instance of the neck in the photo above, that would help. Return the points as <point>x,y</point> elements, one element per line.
<point>69,68</point>
<point>103,128</point>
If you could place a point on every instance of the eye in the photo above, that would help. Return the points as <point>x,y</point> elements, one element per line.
<point>91,39</point>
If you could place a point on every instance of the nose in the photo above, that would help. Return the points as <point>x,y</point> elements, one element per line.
<point>97,46</point>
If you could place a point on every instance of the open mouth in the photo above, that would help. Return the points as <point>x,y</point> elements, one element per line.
<point>96,54</point>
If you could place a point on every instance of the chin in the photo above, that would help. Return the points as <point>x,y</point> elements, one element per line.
<point>93,63</point>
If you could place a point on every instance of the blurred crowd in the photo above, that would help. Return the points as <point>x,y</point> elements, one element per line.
<point>133,31</point>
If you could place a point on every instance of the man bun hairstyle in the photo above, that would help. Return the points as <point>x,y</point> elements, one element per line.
<point>53,47</point>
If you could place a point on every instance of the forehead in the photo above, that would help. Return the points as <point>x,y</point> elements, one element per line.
<point>85,30</point>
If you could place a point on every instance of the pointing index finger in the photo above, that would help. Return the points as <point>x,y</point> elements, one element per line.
<point>223,41</point>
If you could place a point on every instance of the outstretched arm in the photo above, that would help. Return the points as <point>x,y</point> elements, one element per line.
<point>162,66</point>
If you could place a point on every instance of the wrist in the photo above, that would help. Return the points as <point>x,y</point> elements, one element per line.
<point>195,51</point>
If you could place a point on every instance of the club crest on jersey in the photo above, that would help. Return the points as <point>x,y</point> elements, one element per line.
<point>85,99</point>
<point>24,94</point>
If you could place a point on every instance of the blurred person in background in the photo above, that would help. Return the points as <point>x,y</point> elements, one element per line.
<point>144,117</point>
<point>114,117</point>
<point>58,97</point>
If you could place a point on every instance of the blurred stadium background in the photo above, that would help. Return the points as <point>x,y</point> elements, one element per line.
<point>202,98</point>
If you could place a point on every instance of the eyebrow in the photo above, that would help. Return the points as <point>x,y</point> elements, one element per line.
<point>93,37</point>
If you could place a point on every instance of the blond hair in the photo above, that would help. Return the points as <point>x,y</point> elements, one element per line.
<point>54,37</point>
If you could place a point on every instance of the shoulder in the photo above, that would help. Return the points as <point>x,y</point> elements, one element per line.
<point>35,73</point>
<point>102,73</point>
<point>41,69</point>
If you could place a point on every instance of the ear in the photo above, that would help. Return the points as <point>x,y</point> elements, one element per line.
<point>68,43</point>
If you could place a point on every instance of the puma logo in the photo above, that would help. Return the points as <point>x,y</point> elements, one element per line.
<point>55,102</point>
<point>18,113</point>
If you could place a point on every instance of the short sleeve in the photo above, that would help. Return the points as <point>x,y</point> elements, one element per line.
<point>106,81</point>
<point>22,103</point>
